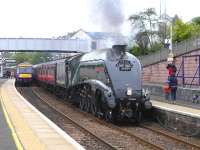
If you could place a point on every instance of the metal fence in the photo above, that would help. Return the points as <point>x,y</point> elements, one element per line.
<point>178,49</point>
<point>189,73</point>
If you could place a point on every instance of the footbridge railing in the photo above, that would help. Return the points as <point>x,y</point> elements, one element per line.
<point>43,44</point>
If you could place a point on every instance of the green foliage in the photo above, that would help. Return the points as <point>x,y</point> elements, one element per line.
<point>155,47</point>
<point>7,55</point>
<point>195,29</point>
<point>39,57</point>
<point>135,50</point>
<point>181,31</point>
<point>21,57</point>
<point>150,34</point>
<point>196,20</point>
<point>33,58</point>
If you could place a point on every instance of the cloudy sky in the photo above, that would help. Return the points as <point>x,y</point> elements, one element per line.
<point>48,18</point>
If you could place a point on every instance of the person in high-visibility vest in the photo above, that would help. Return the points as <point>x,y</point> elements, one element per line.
<point>166,90</point>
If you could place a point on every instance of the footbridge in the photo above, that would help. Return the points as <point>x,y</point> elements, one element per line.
<point>43,45</point>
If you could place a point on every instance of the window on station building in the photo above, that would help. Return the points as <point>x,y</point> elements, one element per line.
<point>94,45</point>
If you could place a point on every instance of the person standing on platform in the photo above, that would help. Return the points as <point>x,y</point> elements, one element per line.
<point>171,68</point>
<point>166,90</point>
<point>173,86</point>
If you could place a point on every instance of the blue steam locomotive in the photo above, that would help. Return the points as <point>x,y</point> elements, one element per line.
<point>107,82</point>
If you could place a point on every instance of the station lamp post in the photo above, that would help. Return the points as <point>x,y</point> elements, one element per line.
<point>169,42</point>
<point>171,55</point>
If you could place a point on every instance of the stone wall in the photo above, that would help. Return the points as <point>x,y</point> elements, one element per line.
<point>157,73</point>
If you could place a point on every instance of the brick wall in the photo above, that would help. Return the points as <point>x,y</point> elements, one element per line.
<point>157,73</point>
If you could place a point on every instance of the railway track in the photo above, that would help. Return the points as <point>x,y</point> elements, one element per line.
<point>164,133</point>
<point>71,123</point>
<point>148,144</point>
<point>138,139</point>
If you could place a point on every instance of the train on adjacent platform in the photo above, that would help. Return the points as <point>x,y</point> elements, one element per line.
<point>24,74</point>
<point>107,83</point>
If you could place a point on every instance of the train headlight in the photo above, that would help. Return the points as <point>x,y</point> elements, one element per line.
<point>129,91</point>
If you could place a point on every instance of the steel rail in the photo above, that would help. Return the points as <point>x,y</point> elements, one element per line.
<point>170,136</point>
<point>74,122</point>
<point>137,138</point>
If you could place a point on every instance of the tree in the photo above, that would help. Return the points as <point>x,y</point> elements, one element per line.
<point>39,57</point>
<point>181,31</point>
<point>145,22</point>
<point>33,58</point>
<point>142,41</point>
<point>21,57</point>
<point>196,20</point>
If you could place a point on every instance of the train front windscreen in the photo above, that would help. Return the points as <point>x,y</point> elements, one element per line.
<point>25,69</point>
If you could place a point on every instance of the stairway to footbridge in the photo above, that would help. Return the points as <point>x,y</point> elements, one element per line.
<point>43,45</point>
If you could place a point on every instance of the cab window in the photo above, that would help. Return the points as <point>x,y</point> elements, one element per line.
<point>94,71</point>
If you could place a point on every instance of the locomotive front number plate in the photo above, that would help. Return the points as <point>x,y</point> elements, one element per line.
<point>124,65</point>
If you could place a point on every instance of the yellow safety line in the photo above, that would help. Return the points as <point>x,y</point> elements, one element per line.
<point>9,122</point>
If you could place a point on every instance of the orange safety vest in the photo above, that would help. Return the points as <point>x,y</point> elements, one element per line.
<point>166,89</point>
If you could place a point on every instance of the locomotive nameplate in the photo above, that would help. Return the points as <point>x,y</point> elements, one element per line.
<point>124,65</point>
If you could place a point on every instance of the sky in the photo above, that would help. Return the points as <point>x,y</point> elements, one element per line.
<point>49,18</point>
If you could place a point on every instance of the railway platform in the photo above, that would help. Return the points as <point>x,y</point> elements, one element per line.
<point>28,128</point>
<point>176,108</point>
<point>177,118</point>
<point>184,94</point>
<point>6,138</point>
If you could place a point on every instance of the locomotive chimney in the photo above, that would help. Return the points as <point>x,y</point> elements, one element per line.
<point>119,49</point>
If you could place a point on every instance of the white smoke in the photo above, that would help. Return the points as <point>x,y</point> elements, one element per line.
<point>109,14</point>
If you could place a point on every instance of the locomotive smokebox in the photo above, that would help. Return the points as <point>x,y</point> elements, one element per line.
<point>119,49</point>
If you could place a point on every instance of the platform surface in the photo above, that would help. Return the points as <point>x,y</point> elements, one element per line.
<point>6,139</point>
<point>188,111</point>
<point>32,128</point>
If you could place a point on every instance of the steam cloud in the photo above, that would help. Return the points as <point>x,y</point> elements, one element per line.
<point>109,14</point>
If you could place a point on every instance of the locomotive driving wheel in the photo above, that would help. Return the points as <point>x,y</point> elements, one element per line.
<point>93,108</point>
<point>138,116</point>
<point>81,104</point>
<point>87,105</point>
<point>108,116</point>
<point>82,99</point>
<point>85,99</point>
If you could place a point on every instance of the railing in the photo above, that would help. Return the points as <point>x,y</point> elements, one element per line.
<point>178,49</point>
<point>188,76</point>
